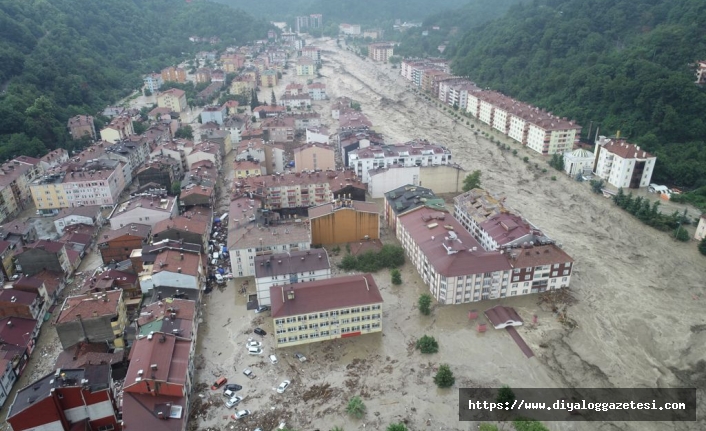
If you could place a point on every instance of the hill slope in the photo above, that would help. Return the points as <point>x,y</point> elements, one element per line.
<point>60,58</point>
<point>601,61</point>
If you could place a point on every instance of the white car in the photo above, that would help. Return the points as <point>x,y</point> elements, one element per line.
<point>232,402</point>
<point>220,279</point>
<point>283,386</point>
<point>241,414</point>
<point>254,344</point>
<point>273,359</point>
<point>254,350</point>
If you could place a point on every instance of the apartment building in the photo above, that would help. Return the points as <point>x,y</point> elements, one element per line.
<point>95,318</point>
<point>312,157</point>
<point>174,74</point>
<point>623,165</point>
<point>349,29</point>
<point>118,129</point>
<point>381,51</point>
<point>407,198</point>
<point>413,153</point>
<point>16,176</point>
<point>205,151</point>
<point>317,91</point>
<point>299,101</point>
<point>162,171</point>
<point>173,99</point>
<point>216,114</point>
<point>289,268</point>
<point>442,179</point>
<point>153,82</point>
<point>192,226</point>
<point>175,269</point>
<point>82,125</point>
<point>302,190</point>
<point>279,129</point>
<point>232,62</point>
<point>454,92</point>
<point>88,215</point>
<point>268,78</point>
<point>246,241</point>
<point>117,245</point>
<point>147,210</point>
<point>317,135</point>
<point>316,21</point>
<point>341,307</point>
<point>305,67</point>
<point>312,52</point>
<point>45,255</point>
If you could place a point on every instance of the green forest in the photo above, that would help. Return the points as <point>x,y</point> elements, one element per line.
<point>617,65</point>
<point>61,58</point>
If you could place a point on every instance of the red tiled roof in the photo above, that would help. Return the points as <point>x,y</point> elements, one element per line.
<point>501,317</point>
<point>172,260</point>
<point>449,257</point>
<point>538,255</point>
<point>323,295</point>
<point>169,355</point>
<point>139,412</point>
<point>505,227</point>
<point>17,296</point>
<point>626,151</point>
<point>185,309</point>
<point>188,222</point>
<point>43,244</point>
<point>13,330</point>
<point>86,305</point>
<point>133,229</point>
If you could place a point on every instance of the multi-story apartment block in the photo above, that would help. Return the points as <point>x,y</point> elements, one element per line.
<point>288,268</point>
<point>202,75</point>
<point>247,168</point>
<point>270,156</point>
<point>205,151</point>
<point>301,23</point>
<point>162,171</point>
<point>443,178</point>
<point>349,29</point>
<point>53,159</point>
<point>96,318</point>
<point>305,67</point>
<point>302,190</point>
<point>174,74</point>
<point>216,114</point>
<point>455,91</point>
<point>317,91</point>
<point>242,85</point>
<point>312,52</point>
<point>623,165</point>
<point>147,210</point>
<point>322,310</point>
<point>381,51</point>
<point>312,157</point>
<point>153,82</point>
<point>174,99</point>
<point>268,78</point>
<point>374,33</point>
<point>316,21</point>
<point>45,255</point>
<point>16,176</point>
<point>67,399</point>
<point>232,62</point>
<point>413,153</point>
<point>82,125</point>
<point>344,221</point>
<point>407,198</point>
<point>279,129</point>
<point>117,245</point>
<point>119,128</point>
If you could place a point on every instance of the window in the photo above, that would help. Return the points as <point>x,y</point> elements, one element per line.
<point>527,277</point>
<point>566,272</point>
<point>516,270</point>
<point>279,321</point>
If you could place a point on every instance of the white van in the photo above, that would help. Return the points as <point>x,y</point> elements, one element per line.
<point>255,350</point>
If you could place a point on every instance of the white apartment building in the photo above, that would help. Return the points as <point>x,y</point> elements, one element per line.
<point>413,153</point>
<point>147,210</point>
<point>317,91</point>
<point>623,165</point>
<point>288,268</point>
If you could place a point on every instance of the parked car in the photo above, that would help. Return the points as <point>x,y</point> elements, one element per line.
<point>253,343</point>
<point>218,383</point>
<point>301,357</point>
<point>233,401</point>
<point>260,331</point>
<point>273,359</point>
<point>230,392</point>
<point>255,350</point>
<point>248,373</point>
<point>262,308</point>
<point>241,414</point>
<point>283,386</point>
<point>220,279</point>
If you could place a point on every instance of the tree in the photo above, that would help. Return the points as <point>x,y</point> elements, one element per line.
<point>273,99</point>
<point>397,427</point>
<point>702,246</point>
<point>505,395</point>
<point>444,378</point>
<point>424,304</point>
<point>254,103</point>
<point>597,186</point>
<point>472,181</point>
<point>356,407</point>
<point>176,188</point>
<point>427,345</point>
<point>139,127</point>
<point>184,132</point>
<point>396,277</point>
<point>557,162</point>
<point>681,234</point>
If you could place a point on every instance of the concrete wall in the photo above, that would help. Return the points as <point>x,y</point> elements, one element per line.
<point>95,330</point>
<point>441,179</point>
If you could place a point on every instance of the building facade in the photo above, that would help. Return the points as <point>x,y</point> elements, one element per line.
<point>341,307</point>
<point>312,157</point>
<point>289,268</point>
<point>173,99</point>
<point>344,221</point>
<point>82,125</point>
<point>623,165</point>
<point>413,153</point>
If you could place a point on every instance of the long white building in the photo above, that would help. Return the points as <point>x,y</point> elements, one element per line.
<point>413,153</point>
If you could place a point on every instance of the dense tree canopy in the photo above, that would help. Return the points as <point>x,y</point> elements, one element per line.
<point>621,64</point>
<point>61,58</point>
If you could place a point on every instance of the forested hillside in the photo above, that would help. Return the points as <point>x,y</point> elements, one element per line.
<point>624,64</point>
<point>60,58</point>
<point>451,23</point>
<point>365,12</point>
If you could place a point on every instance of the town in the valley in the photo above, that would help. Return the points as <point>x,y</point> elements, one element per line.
<point>258,266</point>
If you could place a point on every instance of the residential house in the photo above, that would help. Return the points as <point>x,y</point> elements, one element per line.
<point>305,67</point>
<point>47,284</point>
<point>54,158</point>
<point>280,129</point>
<point>311,52</point>
<point>215,114</point>
<point>701,72</point>
<point>700,233</point>
<point>289,268</point>
<point>245,240</point>
<point>174,269</point>
<point>66,400</point>
<point>113,280</point>
<point>205,151</point>
<point>193,227</point>
<point>202,75</point>
<point>19,232</point>
<point>153,82</point>
<point>413,153</point>
<point>147,210</point>
<point>381,51</point>
<point>317,135</point>
<point>407,198</point>
<point>162,170</point>
<point>344,221</point>
<point>174,74</point>
<point>82,125</point>
<point>16,176</point>
<point>118,129</point>
<point>143,259</point>
<point>18,303</point>
<point>578,162</point>
<point>302,121</point>
<point>46,255</point>
<point>88,215</point>
<point>301,101</point>
<point>173,99</point>
<point>312,157</point>
<point>339,106</point>
<point>158,114</point>
<point>116,245</point>
<point>247,168</point>
<point>623,165</point>
<point>158,383</point>
<point>197,196</point>
<point>95,318</point>
<point>322,310</point>
<point>267,111</point>
<point>441,179</point>
<point>268,78</point>
<point>317,91</point>
<point>209,94</point>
